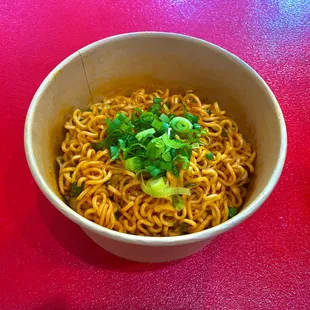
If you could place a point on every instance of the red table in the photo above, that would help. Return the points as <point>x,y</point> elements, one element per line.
<point>48,263</point>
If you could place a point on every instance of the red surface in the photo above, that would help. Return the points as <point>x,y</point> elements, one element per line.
<point>48,263</point>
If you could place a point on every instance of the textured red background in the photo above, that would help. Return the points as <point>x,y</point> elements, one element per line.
<point>48,263</point>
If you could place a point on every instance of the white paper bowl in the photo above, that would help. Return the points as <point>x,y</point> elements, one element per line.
<point>130,61</point>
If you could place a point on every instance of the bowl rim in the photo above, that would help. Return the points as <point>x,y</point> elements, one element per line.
<point>147,240</point>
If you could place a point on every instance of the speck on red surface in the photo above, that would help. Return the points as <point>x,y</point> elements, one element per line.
<point>46,262</point>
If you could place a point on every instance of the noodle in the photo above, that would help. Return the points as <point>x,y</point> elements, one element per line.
<point>111,196</point>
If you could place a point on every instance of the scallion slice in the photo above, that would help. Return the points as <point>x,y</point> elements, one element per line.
<point>178,202</point>
<point>134,164</point>
<point>232,212</point>
<point>146,117</point>
<point>145,134</point>
<point>209,156</point>
<point>160,188</point>
<point>114,151</point>
<point>164,118</point>
<point>157,100</point>
<point>174,144</point>
<point>181,125</point>
<point>155,148</point>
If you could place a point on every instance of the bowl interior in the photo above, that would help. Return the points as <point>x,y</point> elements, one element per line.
<point>125,63</point>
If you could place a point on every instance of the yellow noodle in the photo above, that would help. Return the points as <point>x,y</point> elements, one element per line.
<point>112,197</point>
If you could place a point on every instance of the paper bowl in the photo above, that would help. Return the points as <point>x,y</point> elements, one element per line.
<point>148,60</point>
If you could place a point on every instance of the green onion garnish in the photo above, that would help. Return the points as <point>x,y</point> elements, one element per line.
<point>209,111</point>
<point>174,144</point>
<point>191,117</point>
<point>164,118</point>
<point>145,134</point>
<point>210,156</point>
<point>157,124</point>
<point>166,108</point>
<point>178,202</point>
<point>98,146</point>
<point>147,117</point>
<point>153,171</point>
<point>196,126</point>
<point>224,133</point>
<point>232,212</point>
<point>76,190</point>
<point>157,100</point>
<point>154,143</point>
<point>155,148</point>
<point>160,188</point>
<point>190,185</point>
<point>205,131</point>
<point>181,125</point>
<point>134,164</point>
<point>164,165</point>
<point>183,160</point>
<point>195,145</point>
<point>114,151</point>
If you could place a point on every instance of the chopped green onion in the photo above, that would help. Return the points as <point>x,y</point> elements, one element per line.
<point>164,127</point>
<point>209,111</point>
<point>155,148</point>
<point>205,131</point>
<point>186,150</point>
<point>121,116</point>
<point>154,172</point>
<point>98,146</point>
<point>160,188</point>
<point>171,116</point>
<point>197,126</point>
<point>191,117</point>
<point>114,151</point>
<point>120,120</point>
<point>156,124</point>
<point>224,133</point>
<point>122,144</point>
<point>210,156</point>
<point>134,164</point>
<point>158,184</point>
<point>145,134</point>
<point>232,212</point>
<point>124,127</point>
<point>165,107</point>
<point>147,117</point>
<point>157,100</point>
<point>178,202</point>
<point>175,171</point>
<point>165,165</point>
<point>173,153</point>
<point>181,125</point>
<point>155,108</point>
<point>190,185</point>
<point>76,190</point>
<point>135,149</point>
<point>195,145</point>
<point>164,118</point>
<point>174,144</point>
<point>182,160</point>
<point>166,156</point>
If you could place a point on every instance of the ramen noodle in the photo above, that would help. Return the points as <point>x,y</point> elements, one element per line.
<point>202,187</point>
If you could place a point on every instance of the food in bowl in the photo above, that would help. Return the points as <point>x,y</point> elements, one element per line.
<point>155,164</point>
